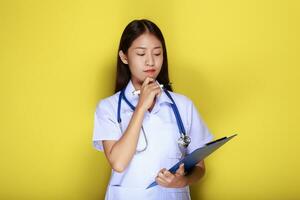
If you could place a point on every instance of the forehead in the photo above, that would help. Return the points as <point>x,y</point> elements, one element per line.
<point>146,40</point>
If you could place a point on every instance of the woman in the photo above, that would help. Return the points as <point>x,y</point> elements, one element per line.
<point>138,127</point>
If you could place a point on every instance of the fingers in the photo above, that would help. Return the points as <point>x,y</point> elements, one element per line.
<point>162,171</point>
<point>149,91</point>
<point>154,87</point>
<point>160,178</point>
<point>147,81</point>
<point>164,177</point>
<point>180,170</point>
<point>165,174</point>
<point>161,181</point>
<point>151,86</point>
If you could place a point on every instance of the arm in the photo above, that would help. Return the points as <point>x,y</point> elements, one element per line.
<point>196,174</point>
<point>119,153</point>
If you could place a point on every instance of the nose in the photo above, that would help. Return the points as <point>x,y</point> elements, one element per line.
<point>150,60</point>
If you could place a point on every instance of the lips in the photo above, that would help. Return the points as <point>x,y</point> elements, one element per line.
<point>150,71</point>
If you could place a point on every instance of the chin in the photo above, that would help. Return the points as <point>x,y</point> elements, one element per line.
<point>154,76</point>
<point>150,76</point>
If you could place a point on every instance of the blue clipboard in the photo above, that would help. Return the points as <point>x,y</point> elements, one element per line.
<point>199,154</point>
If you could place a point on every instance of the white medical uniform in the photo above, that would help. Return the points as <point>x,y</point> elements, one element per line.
<point>162,151</point>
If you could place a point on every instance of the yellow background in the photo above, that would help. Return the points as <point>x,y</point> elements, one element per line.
<point>238,60</point>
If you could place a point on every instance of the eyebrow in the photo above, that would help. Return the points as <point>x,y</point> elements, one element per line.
<point>159,47</point>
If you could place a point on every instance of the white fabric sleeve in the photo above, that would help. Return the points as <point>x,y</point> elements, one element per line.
<point>197,130</point>
<point>106,126</point>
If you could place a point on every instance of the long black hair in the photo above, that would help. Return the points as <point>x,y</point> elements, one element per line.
<point>132,31</point>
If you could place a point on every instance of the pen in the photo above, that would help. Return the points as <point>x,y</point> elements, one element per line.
<point>138,91</point>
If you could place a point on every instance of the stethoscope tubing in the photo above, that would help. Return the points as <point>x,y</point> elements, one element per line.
<point>173,106</point>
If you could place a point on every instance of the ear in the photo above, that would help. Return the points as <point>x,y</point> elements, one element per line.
<point>123,57</point>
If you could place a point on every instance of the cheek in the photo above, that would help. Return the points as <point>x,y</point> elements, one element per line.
<point>136,64</point>
<point>159,61</point>
<point>135,61</point>
<point>135,67</point>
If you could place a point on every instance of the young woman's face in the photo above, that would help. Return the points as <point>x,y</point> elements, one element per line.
<point>144,58</point>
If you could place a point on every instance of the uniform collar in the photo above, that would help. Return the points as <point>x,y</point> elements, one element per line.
<point>133,99</point>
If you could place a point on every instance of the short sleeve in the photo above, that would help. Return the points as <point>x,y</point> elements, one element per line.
<point>198,130</point>
<point>105,125</point>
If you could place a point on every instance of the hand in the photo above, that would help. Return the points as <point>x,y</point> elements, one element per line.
<point>166,179</point>
<point>149,90</point>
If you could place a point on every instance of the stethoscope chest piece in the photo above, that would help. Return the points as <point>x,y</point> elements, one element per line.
<point>184,140</point>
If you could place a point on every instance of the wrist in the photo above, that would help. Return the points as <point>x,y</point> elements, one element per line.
<point>185,181</point>
<point>140,108</point>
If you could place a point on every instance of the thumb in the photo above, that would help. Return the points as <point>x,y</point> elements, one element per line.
<point>180,170</point>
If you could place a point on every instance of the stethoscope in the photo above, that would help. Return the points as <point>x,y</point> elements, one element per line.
<point>183,140</point>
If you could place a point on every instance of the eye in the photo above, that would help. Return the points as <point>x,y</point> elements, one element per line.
<point>140,54</point>
<point>157,54</point>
